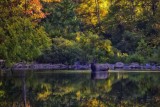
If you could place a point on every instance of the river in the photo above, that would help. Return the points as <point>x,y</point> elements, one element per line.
<point>77,89</point>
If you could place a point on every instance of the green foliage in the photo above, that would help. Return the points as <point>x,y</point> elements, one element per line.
<point>128,42</point>
<point>62,20</point>
<point>132,27</point>
<point>143,49</point>
<point>2,92</point>
<point>94,47</point>
<point>91,12</point>
<point>86,47</point>
<point>135,58</point>
<point>63,51</point>
<point>134,16</point>
<point>155,57</point>
<point>23,40</point>
<point>117,56</point>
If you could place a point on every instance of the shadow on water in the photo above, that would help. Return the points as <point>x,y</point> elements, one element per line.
<point>54,89</point>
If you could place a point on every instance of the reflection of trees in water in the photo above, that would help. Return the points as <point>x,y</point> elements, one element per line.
<point>72,89</point>
<point>14,92</point>
<point>136,90</point>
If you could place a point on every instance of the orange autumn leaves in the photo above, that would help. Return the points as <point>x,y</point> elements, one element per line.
<point>34,9</point>
<point>86,10</point>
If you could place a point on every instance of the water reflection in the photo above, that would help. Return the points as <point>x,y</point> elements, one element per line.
<point>99,75</point>
<point>53,89</point>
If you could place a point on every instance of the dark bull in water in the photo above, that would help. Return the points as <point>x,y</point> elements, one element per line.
<point>99,71</point>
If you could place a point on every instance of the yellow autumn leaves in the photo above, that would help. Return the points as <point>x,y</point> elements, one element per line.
<point>89,10</point>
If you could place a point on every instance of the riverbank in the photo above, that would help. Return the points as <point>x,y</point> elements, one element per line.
<point>116,66</point>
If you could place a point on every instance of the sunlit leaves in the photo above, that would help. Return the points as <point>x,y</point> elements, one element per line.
<point>86,47</point>
<point>24,40</point>
<point>89,12</point>
<point>31,8</point>
<point>34,9</point>
<point>94,47</point>
<point>20,38</point>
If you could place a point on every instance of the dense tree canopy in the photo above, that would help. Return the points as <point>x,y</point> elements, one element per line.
<point>80,29</point>
<point>21,38</point>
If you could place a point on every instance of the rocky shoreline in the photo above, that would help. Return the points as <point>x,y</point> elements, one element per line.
<point>118,65</point>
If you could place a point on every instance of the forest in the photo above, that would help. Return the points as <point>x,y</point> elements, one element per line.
<point>65,31</point>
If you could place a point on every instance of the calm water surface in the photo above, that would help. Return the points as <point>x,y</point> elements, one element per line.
<point>77,89</point>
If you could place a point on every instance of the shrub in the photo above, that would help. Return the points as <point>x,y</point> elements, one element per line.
<point>62,51</point>
<point>135,58</point>
<point>86,47</point>
<point>155,57</point>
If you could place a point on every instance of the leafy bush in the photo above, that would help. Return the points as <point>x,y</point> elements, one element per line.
<point>86,47</point>
<point>144,49</point>
<point>118,56</point>
<point>63,51</point>
<point>23,40</point>
<point>94,47</point>
<point>155,57</point>
<point>135,58</point>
